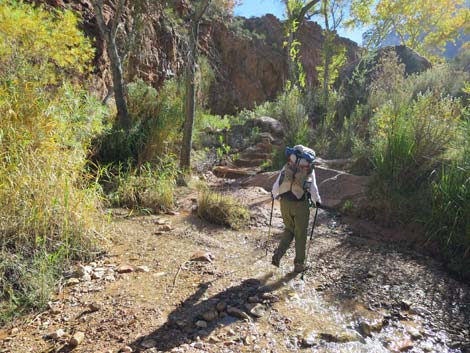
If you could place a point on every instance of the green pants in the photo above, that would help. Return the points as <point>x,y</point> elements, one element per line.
<point>295,215</point>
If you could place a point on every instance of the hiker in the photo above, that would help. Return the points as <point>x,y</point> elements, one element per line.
<point>297,189</point>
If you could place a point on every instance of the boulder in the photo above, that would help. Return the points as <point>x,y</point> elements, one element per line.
<point>335,187</point>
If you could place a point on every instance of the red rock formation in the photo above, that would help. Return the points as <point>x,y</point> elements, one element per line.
<point>249,68</point>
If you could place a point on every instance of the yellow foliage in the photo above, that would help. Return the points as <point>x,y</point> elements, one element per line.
<point>46,126</point>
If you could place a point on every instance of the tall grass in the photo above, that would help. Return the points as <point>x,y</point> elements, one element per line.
<point>449,219</point>
<point>157,118</point>
<point>148,188</point>
<point>48,211</point>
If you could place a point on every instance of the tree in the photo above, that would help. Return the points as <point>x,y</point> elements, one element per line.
<point>297,11</point>
<point>108,33</point>
<point>423,25</point>
<point>194,18</point>
<point>333,14</point>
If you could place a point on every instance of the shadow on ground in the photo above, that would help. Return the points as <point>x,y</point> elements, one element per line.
<point>180,328</point>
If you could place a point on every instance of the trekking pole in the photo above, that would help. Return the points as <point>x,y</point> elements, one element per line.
<point>270,222</point>
<point>310,241</point>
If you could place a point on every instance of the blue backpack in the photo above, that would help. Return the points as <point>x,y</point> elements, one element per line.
<point>301,152</point>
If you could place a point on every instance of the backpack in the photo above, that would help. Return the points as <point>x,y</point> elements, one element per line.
<point>299,152</point>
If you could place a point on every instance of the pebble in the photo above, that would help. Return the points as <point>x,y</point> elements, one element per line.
<point>149,343</point>
<point>57,334</point>
<point>235,312</point>
<point>72,282</point>
<point>142,269</point>
<point>201,324</point>
<point>94,307</point>
<point>125,269</point>
<point>126,349</point>
<point>76,339</point>
<point>258,310</point>
<point>202,256</point>
<point>221,306</point>
<point>210,315</point>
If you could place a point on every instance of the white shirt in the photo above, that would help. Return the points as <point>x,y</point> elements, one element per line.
<point>313,187</point>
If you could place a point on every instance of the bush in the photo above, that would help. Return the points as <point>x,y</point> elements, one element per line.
<point>448,221</point>
<point>148,188</point>
<point>222,209</point>
<point>443,79</point>
<point>408,141</point>
<point>48,206</point>
<point>157,118</point>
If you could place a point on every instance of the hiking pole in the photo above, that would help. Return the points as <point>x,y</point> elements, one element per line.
<point>270,222</point>
<point>310,241</point>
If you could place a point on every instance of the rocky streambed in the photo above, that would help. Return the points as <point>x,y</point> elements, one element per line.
<point>172,283</point>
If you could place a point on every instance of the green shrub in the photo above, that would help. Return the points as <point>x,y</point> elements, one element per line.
<point>448,220</point>
<point>408,141</point>
<point>157,118</point>
<point>49,213</point>
<point>443,79</point>
<point>222,209</point>
<point>148,188</point>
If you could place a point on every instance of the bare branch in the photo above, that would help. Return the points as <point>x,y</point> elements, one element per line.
<point>117,16</point>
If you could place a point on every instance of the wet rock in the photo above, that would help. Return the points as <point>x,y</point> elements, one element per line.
<point>309,340</point>
<point>201,256</point>
<point>201,324</point>
<point>341,337</point>
<point>406,304</point>
<point>149,343</point>
<point>125,269</point>
<point>253,299</point>
<point>76,339</point>
<point>419,310</point>
<point>366,327</point>
<point>210,315</point>
<point>405,346</point>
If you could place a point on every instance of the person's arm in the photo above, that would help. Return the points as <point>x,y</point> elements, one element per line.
<point>314,189</point>
<point>275,189</point>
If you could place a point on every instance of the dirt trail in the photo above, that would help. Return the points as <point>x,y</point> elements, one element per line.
<point>359,295</point>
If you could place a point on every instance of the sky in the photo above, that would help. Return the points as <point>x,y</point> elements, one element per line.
<point>257,8</point>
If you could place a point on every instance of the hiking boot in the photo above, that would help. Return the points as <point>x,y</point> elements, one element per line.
<point>275,261</point>
<point>298,268</point>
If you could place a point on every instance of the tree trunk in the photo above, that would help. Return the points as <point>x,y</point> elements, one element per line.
<point>326,67</point>
<point>109,35</point>
<point>190,100</point>
<point>118,83</point>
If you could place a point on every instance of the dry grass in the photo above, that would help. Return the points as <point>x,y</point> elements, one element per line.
<point>222,209</point>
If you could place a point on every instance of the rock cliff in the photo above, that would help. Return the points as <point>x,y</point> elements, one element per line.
<point>247,55</point>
